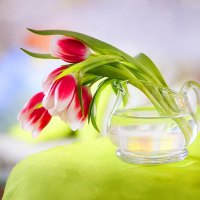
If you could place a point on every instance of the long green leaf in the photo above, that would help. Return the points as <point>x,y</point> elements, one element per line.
<point>80,96</point>
<point>114,88</point>
<point>147,62</point>
<point>38,55</point>
<point>90,64</point>
<point>90,79</point>
<point>125,96</point>
<point>109,71</point>
<point>95,100</point>
<point>92,114</point>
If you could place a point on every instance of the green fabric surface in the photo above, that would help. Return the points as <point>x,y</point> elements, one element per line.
<point>91,171</point>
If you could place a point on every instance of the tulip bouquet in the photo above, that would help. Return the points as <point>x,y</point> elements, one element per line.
<point>66,90</point>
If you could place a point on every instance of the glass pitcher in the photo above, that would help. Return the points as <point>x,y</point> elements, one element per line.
<point>159,132</point>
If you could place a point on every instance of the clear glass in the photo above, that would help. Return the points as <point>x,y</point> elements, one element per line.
<point>147,135</point>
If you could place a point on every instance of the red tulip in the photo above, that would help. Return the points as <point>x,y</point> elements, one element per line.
<point>61,99</point>
<point>69,49</point>
<point>34,117</point>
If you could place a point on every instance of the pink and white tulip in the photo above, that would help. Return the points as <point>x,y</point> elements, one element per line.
<point>69,49</point>
<point>61,99</point>
<point>34,117</point>
<point>59,94</point>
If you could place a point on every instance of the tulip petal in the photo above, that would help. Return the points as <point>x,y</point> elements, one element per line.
<point>74,113</point>
<point>40,118</point>
<point>51,77</point>
<point>33,101</point>
<point>87,97</point>
<point>63,116</point>
<point>76,125</point>
<point>45,120</point>
<point>49,100</point>
<point>64,92</point>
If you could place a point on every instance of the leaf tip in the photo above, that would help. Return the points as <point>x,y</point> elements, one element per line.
<point>30,29</point>
<point>24,50</point>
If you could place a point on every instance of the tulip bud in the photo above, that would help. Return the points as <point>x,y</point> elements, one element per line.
<point>69,49</point>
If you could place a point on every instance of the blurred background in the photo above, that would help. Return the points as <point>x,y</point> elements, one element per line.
<point>168,31</point>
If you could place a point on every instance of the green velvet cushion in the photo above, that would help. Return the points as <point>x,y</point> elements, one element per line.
<point>91,171</point>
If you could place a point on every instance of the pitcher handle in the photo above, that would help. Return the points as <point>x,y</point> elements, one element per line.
<point>117,102</point>
<point>196,88</point>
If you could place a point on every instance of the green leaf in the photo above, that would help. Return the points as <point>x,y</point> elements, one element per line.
<point>90,79</point>
<point>89,64</point>
<point>94,123</point>
<point>95,100</point>
<point>38,55</point>
<point>147,62</point>
<point>110,71</point>
<point>114,88</point>
<point>125,96</point>
<point>80,96</point>
<point>92,114</point>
